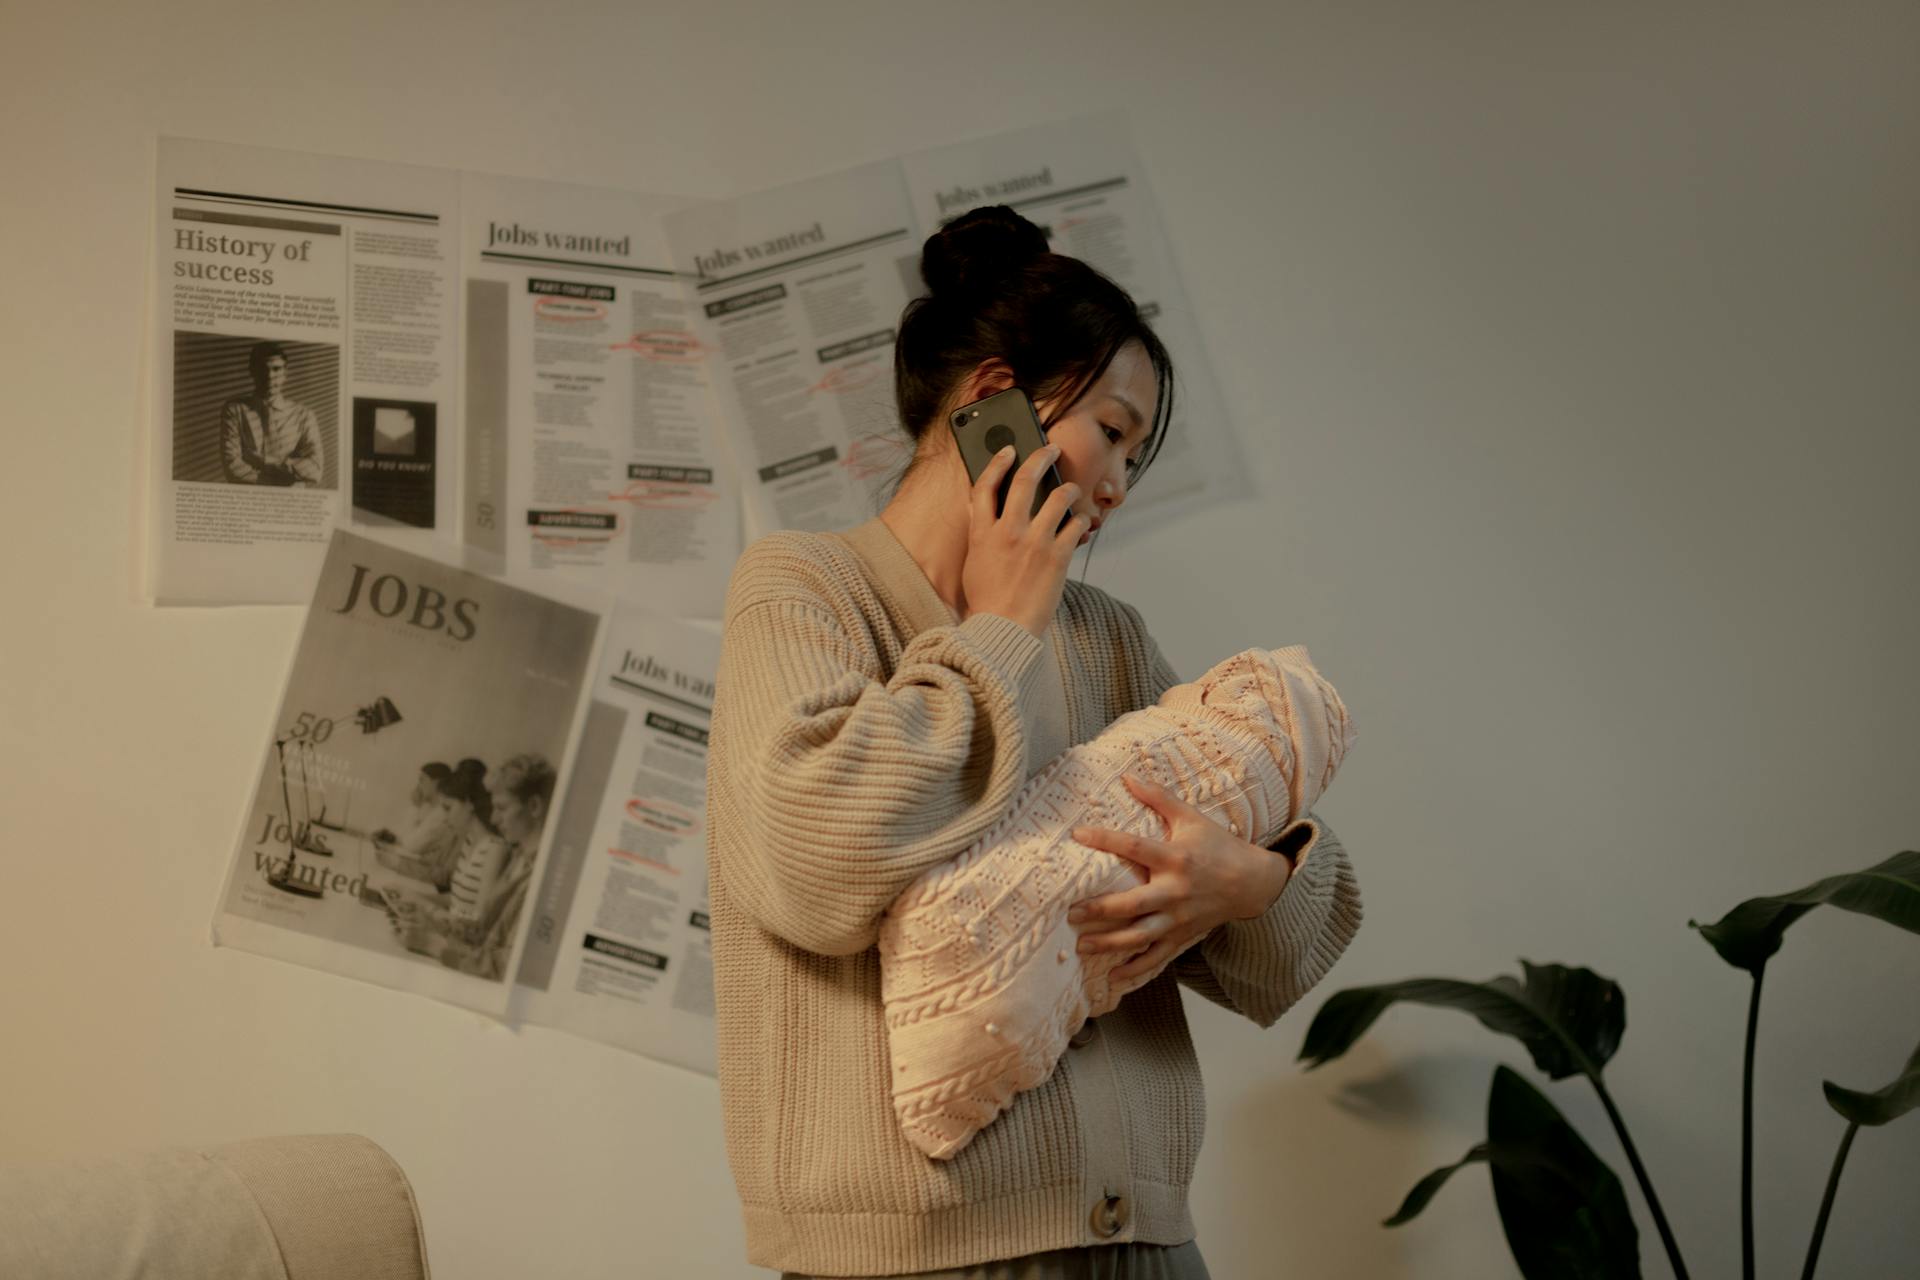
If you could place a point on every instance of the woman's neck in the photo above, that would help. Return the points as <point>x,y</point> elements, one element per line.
<point>929,517</point>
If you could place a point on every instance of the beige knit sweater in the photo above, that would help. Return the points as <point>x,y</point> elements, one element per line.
<point>861,735</point>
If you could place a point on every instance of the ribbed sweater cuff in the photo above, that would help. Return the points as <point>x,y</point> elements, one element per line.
<point>1306,930</point>
<point>1320,901</point>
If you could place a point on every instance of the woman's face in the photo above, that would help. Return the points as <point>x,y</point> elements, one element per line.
<point>425,789</point>
<point>1104,433</point>
<point>515,818</point>
<point>459,811</point>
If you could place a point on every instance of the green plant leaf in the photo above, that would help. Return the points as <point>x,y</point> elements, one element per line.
<point>1564,1211</point>
<point>1589,1010</point>
<point>1425,1189</point>
<point>1882,1105</point>
<point>1747,935</point>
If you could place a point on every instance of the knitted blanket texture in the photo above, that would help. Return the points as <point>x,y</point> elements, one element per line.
<point>981,978</point>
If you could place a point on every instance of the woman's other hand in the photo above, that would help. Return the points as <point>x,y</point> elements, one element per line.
<point>1199,875</point>
<point>1016,561</point>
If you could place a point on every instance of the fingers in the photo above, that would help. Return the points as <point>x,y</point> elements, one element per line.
<point>1148,852</point>
<point>1161,800</point>
<point>1128,904</point>
<point>1071,532</point>
<point>1147,961</point>
<point>1026,481</point>
<point>1144,932</point>
<point>987,485</point>
<point>1052,515</point>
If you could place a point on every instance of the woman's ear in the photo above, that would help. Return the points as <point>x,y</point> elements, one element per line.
<point>989,377</point>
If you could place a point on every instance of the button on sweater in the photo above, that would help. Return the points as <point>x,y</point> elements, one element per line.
<point>861,734</point>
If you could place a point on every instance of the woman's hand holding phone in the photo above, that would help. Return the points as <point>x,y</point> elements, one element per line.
<point>1017,558</point>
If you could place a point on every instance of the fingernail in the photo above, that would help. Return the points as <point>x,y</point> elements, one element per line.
<point>1080,834</point>
<point>1005,452</point>
<point>1086,946</point>
<point>1077,915</point>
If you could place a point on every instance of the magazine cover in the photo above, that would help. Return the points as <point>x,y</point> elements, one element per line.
<point>400,812</point>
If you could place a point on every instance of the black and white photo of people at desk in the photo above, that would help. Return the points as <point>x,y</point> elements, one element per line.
<point>488,837</point>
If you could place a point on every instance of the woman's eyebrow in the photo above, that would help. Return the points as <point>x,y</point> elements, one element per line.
<point>1128,405</point>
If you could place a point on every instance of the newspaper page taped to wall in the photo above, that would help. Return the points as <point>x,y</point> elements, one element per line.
<point>402,806</point>
<point>620,947</point>
<point>431,355</point>
<point>596,385</point>
<point>304,364</point>
<point>1082,183</point>
<point>800,289</point>
<point>591,431</point>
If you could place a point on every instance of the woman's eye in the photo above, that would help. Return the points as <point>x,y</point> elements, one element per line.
<point>1114,434</point>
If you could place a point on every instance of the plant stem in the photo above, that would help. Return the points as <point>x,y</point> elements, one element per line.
<point>1587,1068</point>
<point>1826,1201</point>
<point>1746,1129</point>
<point>1640,1172</point>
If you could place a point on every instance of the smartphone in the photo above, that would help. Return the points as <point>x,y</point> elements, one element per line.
<point>987,426</point>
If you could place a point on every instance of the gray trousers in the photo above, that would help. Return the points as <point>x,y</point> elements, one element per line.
<point>1097,1262</point>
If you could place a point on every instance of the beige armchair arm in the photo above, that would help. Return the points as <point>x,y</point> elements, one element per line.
<point>314,1207</point>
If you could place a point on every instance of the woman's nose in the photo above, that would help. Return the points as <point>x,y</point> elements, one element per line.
<point>1107,495</point>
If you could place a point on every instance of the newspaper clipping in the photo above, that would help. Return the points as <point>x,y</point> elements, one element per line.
<point>401,807</point>
<point>1081,182</point>
<point>593,446</point>
<point>621,947</point>
<point>592,384</point>
<point>800,288</point>
<point>303,362</point>
<point>799,291</point>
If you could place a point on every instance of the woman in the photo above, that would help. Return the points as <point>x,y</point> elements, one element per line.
<point>427,849</point>
<point>484,850</point>
<point>473,853</point>
<point>883,693</point>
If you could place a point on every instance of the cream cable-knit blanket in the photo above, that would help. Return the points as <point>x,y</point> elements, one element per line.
<point>980,974</point>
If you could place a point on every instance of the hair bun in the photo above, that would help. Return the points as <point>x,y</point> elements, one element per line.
<point>978,249</point>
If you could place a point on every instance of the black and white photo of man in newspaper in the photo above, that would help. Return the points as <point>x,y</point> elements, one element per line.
<point>269,437</point>
<point>259,412</point>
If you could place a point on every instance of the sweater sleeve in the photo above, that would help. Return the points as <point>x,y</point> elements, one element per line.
<point>234,457</point>
<point>831,789</point>
<point>1259,968</point>
<point>308,460</point>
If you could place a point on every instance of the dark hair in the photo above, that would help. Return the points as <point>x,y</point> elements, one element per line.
<point>994,289</point>
<point>435,770</point>
<point>261,353</point>
<point>468,782</point>
<point>528,778</point>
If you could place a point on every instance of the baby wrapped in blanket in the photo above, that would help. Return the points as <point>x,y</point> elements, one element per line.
<point>979,970</point>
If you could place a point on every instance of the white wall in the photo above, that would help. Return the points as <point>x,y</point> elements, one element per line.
<point>1574,348</point>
